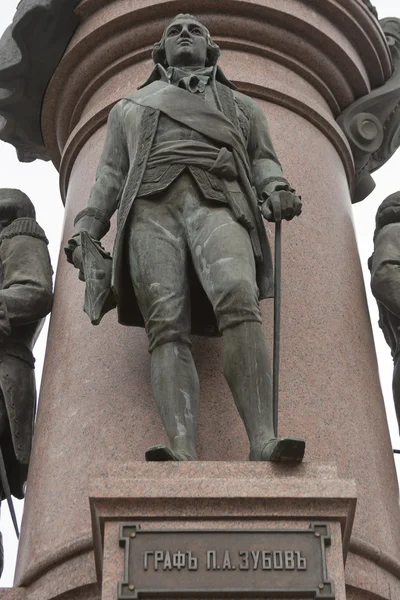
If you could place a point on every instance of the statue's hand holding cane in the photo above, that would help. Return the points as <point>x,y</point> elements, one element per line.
<point>281,204</point>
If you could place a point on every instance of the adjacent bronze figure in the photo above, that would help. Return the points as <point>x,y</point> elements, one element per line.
<point>25,299</point>
<point>190,166</point>
<point>385,281</point>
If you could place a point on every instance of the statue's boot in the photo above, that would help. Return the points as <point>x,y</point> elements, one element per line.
<point>284,450</point>
<point>163,453</point>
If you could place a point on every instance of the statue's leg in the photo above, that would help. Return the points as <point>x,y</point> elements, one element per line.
<point>248,373</point>
<point>3,427</point>
<point>158,265</point>
<point>224,261</point>
<point>396,386</point>
<point>176,390</point>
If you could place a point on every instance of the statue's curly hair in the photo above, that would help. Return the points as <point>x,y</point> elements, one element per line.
<point>213,50</point>
<point>388,212</point>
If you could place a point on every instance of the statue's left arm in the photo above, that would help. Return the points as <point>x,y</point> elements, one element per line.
<point>26,295</point>
<point>278,199</point>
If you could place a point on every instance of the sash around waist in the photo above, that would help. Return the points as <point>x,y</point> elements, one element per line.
<point>218,161</point>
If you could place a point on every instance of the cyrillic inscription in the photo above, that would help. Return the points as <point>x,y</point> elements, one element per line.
<point>167,561</point>
<point>216,560</point>
<point>225,563</point>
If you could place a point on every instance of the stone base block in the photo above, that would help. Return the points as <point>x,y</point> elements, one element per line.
<point>233,530</point>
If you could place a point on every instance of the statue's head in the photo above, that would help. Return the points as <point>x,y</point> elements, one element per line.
<point>186,43</point>
<point>14,204</point>
<point>388,212</point>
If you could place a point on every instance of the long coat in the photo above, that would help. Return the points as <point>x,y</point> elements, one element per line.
<point>25,299</point>
<point>130,133</point>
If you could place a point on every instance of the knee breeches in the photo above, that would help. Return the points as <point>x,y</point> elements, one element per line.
<point>168,231</point>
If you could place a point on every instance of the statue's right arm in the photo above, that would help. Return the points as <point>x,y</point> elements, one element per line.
<point>111,174</point>
<point>278,200</point>
<point>385,268</point>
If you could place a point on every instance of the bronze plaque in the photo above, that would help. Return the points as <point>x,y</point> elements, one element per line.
<point>225,563</point>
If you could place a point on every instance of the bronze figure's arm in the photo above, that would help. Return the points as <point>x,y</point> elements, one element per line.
<point>278,199</point>
<point>103,201</point>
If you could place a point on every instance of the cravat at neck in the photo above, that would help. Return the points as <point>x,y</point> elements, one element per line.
<point>192,80</point>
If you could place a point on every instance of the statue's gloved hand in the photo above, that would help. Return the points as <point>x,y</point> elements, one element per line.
<point>73,251</point>
<point>281,204</point>
<point>78,261</point>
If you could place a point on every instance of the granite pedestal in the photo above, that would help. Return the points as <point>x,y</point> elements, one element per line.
<point>218,496</point>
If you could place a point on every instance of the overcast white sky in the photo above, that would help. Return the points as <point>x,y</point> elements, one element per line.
<point>40,181</point>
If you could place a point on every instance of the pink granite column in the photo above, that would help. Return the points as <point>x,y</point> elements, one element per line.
<point>304,61</point>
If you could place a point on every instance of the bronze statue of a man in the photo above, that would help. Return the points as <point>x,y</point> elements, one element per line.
<point>25,299</point>
<point>189,163</point>
<point>384,265</point>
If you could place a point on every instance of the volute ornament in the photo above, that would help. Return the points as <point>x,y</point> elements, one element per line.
<point>372,123</point>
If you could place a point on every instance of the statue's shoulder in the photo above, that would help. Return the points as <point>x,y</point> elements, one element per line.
<point>146,90</point>
<point>244,100</point>
<point>245,103</point>
<point>137,94</point>
<point>127,100</point>
<point>242,97</point>
<point>124,105</point>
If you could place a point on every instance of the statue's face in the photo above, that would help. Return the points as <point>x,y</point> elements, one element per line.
<point>186,44</point>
